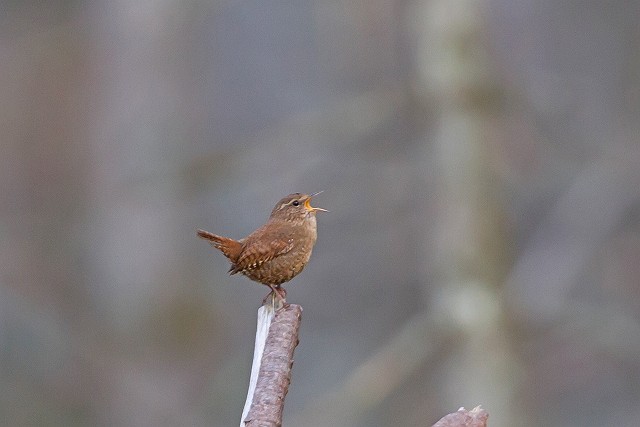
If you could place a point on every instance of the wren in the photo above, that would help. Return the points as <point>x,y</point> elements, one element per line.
<point>279,250</point>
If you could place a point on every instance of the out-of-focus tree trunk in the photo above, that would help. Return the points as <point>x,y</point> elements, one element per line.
<point>469,235</point>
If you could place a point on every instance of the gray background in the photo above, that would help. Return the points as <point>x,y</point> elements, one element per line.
<point>480,159</point>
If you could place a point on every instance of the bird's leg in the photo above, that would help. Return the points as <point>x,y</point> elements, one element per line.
<point>278,297</point>
<point>282,294</point>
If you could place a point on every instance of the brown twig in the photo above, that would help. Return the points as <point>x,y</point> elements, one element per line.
<point>477,417</point>
<point>275,369</point>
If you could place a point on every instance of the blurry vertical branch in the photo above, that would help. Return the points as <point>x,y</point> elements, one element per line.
<point>271,371</point>
<point>470,238</point>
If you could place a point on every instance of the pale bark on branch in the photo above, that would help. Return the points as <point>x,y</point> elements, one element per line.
<point>275,369</point>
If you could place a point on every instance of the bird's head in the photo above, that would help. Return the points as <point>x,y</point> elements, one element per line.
<point>295,207</point>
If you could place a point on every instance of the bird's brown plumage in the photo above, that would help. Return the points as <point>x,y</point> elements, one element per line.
<point>279,250</point>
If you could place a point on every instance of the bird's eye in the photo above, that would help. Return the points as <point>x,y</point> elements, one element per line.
<point>295,203</point>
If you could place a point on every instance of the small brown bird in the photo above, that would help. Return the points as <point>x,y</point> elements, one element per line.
<point>278,251</point>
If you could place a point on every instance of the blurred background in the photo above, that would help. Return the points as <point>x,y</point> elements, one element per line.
<point>480,159</point>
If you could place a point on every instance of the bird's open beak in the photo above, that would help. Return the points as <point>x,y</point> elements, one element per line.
<point>307,204</point>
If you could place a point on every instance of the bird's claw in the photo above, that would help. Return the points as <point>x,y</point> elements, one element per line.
<point>278,298</point>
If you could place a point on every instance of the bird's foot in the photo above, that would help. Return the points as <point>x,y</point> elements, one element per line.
<point>278,297</point>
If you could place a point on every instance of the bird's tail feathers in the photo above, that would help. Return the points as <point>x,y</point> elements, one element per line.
<point>229,247</point>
